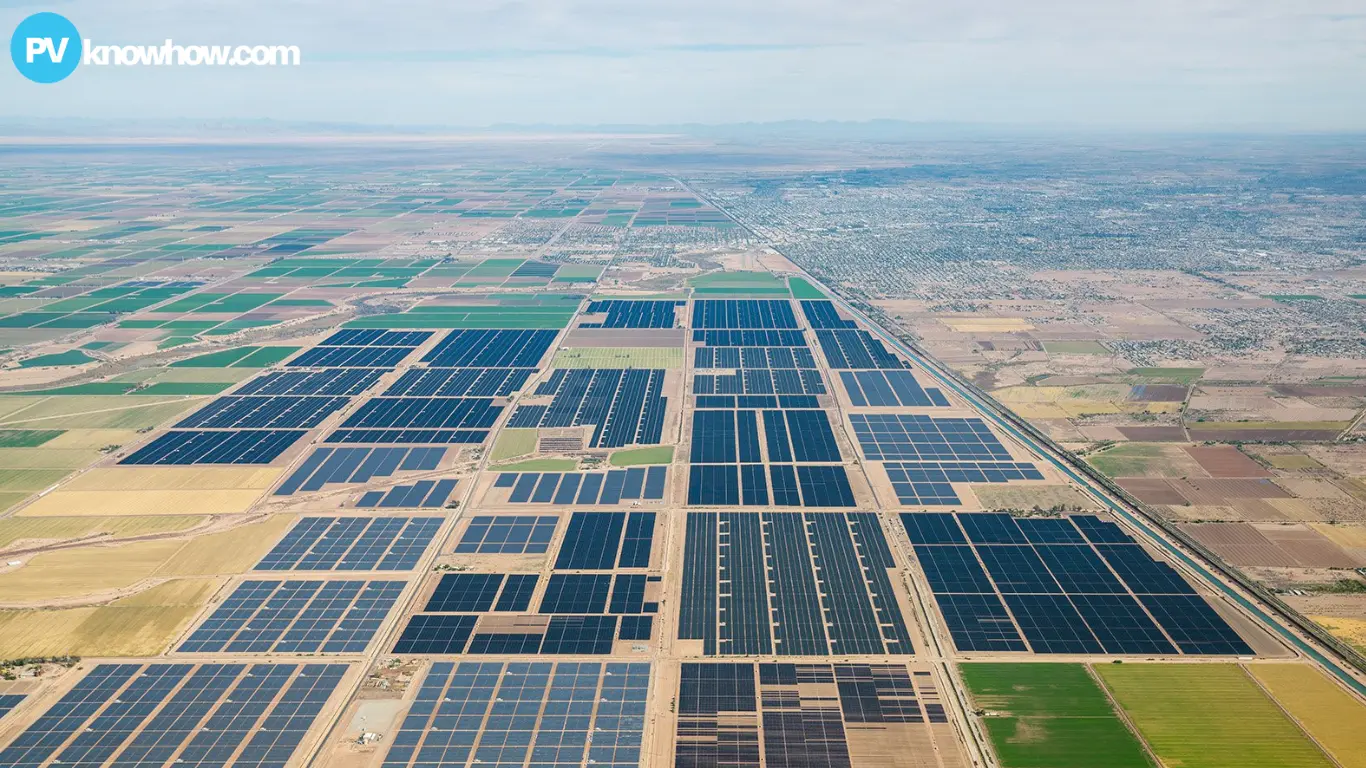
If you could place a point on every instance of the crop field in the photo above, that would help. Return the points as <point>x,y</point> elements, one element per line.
<point>16,530</point>
<point>1051,716</point>
<point>1208,716</point>
<point>635,457</point>
<point>513,443</point>
<point>619,357</point>
<point>1330,715</point>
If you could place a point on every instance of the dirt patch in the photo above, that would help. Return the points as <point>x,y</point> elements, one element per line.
<point>1154,434</point>
<point>1158,393</point>
<point>1226,461</point>
<point>1151,490</point>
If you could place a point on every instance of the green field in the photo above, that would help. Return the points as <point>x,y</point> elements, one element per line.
<point>26,438</point>
<point>240,357</point>
<point>619,357</point>
<point>738,284</point>
<point>1051,716</point>
<point>801,289</point>
<point>1208,716</point>
<point>662,454</point>
<point>528,317</point>
<point>513,443</point>
<point>1075,348</point>
<point>69,357</point>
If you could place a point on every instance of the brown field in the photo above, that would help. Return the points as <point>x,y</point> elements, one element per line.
<point>1218,434</point>
<point>1226,461</point>
<point>1271,545</point>
<point>1173,434</point>
<point>1350,537</point>
<point>1153,490</point>
<point>1008,496</point>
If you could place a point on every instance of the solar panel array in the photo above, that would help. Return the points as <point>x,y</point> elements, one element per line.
<point>361,348</point>
<point>9,701</point>
<point>328,381</point>
<point>482,348</point>
<point>1060,585</point>
<point>789,584</point>
<point>633,314</point>
<point>264,412</point>
<point>794,464</point>
<point>878,388</point>
<point>179,715</point>
<point>729,314</point>
<point>508,715</point>
<point>809,712</point>
<point>269,616</point>
<point>576,613</point>
<point>357,465</point>
<point>786,357</point>
<point>508,535</point>
<point>423,494</point>
<point>181,447</point>
<point>760,381</point>
<point>431,420</point>
<point>352,544</point>
<point>585,488</point>
<point>625,406</point>
<point>853,348</point>
<point>459,382</point>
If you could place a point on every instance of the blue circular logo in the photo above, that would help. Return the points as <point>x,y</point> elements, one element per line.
<point>45,47</point>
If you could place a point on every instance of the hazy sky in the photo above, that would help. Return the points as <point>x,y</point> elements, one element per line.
<point>1203,64</point>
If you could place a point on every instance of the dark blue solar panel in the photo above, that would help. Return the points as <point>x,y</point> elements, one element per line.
<point>953,569</point>
<point>296,617</point>
<point>1194,625</point>
<point>351,357</point>
<point>464,593</point>
<point>743,313</point>
<point>979,623</point>
<point>283,412</point>
<point>576,593</point>
<point>851,348</point>
<point>588,396</point>
<point>812,437</point>
<point>1099,531</point>
<point>992,528</point>
<point>713,485</point>
<point>632,314</point>
<point>9,701</point>
<point>824,486</point>
<point>329,381</point>
<point>1017,569</point>
<point>410,436</point>
<point>1120,624</point>
<point>373,337</point>
<point>783,481</point>
<point>201,447</point>
<point>573,635</point>
<point>932,528</point>
<point>636,627</point>
<point>1051,624</point>
<point>748,338</point>
<point>822,314</point>
<point>352,544</point>
<point>1079,569</point>
<point>460,382</point>
<point>1049,530</point>
<point>892,437</point>
<point>428,633</point>
<point>477,348</point>
<point>508,534</point>
<point>516,594</point>
<point>639,538</point>
<point>1143,574</point>
<point>425,413</point>
<point>592,541</point>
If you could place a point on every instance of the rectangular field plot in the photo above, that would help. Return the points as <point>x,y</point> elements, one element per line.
<point>1210,715</point>
<point>328,381</point>
<point>264,412</point>
<point>296,617</point>
<point>1052,715</point>
<point>508,535</point>
<point>179,715</point>
<point>425,494</point>
<point>778,358</point>
<point>351,357</point>
<point>459,382</point>
<point>352,544</point>
<point>727,314</point>
<point>474,348</point>
<point>1043,584</point>
<point>582,488</point>
<point>632,314</point>
<point>760,381</point>
<point>815,715</point>
<point>566,715</point>
<point>889,389</point>
<point>259,446</point>
<point>422,414</point>
<point>789,584</point>
<point>625,406</point>
<point>357,465</point>
<point>856,349</point>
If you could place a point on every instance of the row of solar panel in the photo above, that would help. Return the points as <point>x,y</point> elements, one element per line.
<point>259,446</point>
<point>789,583</point>
<point>352,544</point>
<point>822,315</point>
<point>928,483</point>
<point>425,494</point>
<point>797,357</point>
<point>760,381</point>
<point>633,314</point>
<point>539,714</point>
<point>584,488</point>
<point>410,436</point>
<point>743,314</point>
<point>328,381</point>
<point>479,348</point>
<point>757,401</point>
<point>263,616</point>
<point>607,540</point>
<point>424,413</point>
<point>179,715</point>
<point>1001,582</point>
<point>357,465</point>
<point>728,437</point>
<point>565,593</point>
<point>750,338</point>
<point>267,412</point>
<point>894,437</point>
<point>889,388</point>
<point>856,349</point>
<point>351,357</point>
<point>459,382</point>
<point>368,337</point>
<point>570,635</point>
<point>625,406</point>
<point>508,535</point>
<point>805,485</point>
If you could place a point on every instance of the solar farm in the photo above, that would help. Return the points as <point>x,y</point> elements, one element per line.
<point>387,483</point>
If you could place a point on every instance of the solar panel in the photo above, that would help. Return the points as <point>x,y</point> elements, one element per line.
<point>279,412</point>
<point>1194,625</point>
<point>371,337</point>
<point>479,348</point>
<point>888,388</point>
<point>9,701</point>
<point>328,381</point>
<point>460,382</point>
<point>632,314</point>
<point>180,714</point>
<point>625,406</point>
<point>352,544</point>
<point>513,534</point>
<point>743,313</point>
<point>296,617</point>
<point>576,593</point>
<point>852,348</point>
<point>182,447</point>
<point>351,357</point>
<point>326,466</point>
<point>979,622</point>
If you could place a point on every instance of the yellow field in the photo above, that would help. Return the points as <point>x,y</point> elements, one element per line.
<point>1330,714</point>
<point>1348,536</point>
<point>93,438</point>
<point>1350,631</point>
<point>100,412</point>
<point>619,357</point>
<point>513,443</point>
<point>8,500</point>
<point>81,571</point>
<point>174,478</point>
<point>15,529</point>
<point>142,625</point>
<point>64,503</point>
<point>1074,402</point>
<point>47,458</point>
<point>987,324</point>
